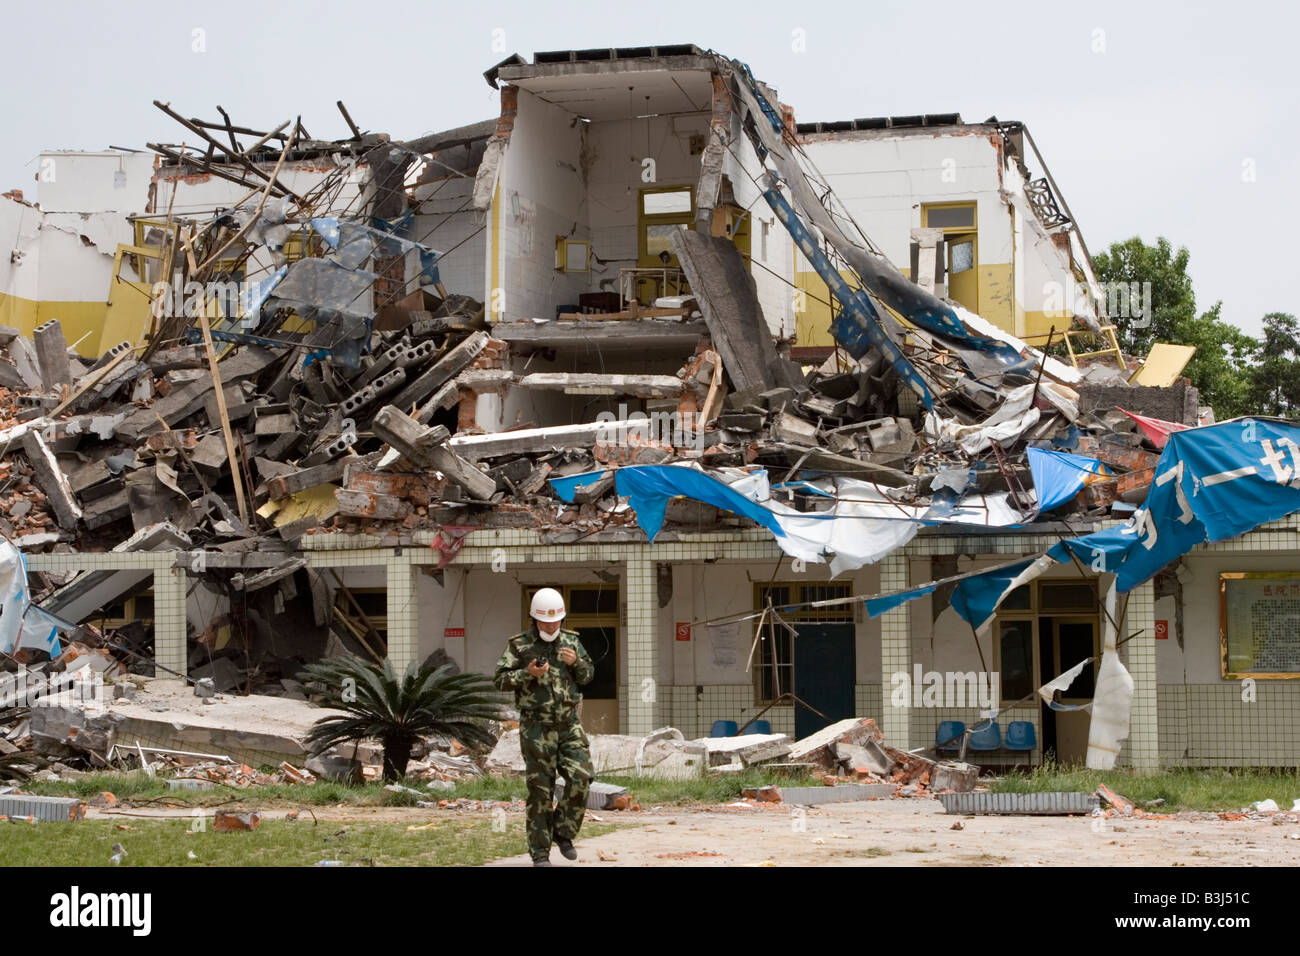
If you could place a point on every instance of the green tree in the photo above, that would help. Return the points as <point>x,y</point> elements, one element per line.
<point>1222,368</point>
<point>1172,304</point>
<point>1275,380</point>
<point>398,713</point>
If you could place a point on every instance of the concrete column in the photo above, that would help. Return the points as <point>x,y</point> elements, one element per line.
<point>169,624</point>
<point>403,611</point>
<point>1143,750</point>
<point>642,687</point>
<point>895,654</point>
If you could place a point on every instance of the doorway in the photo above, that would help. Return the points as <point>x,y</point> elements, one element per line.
<point>817,662</point>
<point>961,248</point>
<point>1044,629</point>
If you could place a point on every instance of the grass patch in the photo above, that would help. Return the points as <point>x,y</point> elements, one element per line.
<point>1216,789</point>
<point>715,788</point>
<point>453,841</point>
<point>138,787</point>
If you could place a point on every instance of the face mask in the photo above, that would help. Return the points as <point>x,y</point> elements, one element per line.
<point>548,638</point>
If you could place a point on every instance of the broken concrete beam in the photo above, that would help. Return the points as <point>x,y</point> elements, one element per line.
<point>840,793</point>
<point>52,354</point>
<point>793,429</point>
<point>91,473</point>
<point>49,476</point>
<point>868,756</point>
<point>210,455</point>
<point>367,504</point>
<point>283,486</point>
<point>247,362</point>
<point>106,510</point>
<point>749,749</point>
<point>238,405</point>
<point>584,383</point>
<point>479,380</point>
<point>957,777</point>
<point>442,371</point>
<point>8,333</point>
<point>425,447</point>
<point>276,419</point>
<point>269,576</point>
<point>23,354</point>
<point>535,480</point>
<point>819,748</point>
<point>526,441</point>
<point>740,421</point>
<point>597,489</point>
<point>183,356</point>
<point>728,299</point>
<point>444,398</point>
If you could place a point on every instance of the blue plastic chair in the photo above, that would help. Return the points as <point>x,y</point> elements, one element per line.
<point>1021,737</point>
<point>724,728</point>
<point>985,736</point>
<point>950,731</point>
<point>759,727</point>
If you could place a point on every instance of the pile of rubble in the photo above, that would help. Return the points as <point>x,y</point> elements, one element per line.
<point>847,752</point>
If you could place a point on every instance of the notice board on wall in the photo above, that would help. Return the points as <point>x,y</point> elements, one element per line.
<point>1259,631</point>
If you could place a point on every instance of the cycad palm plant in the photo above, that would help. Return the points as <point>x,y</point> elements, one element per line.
<point>399,712</point>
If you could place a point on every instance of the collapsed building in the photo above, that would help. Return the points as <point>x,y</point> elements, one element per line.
<point>629,339</point>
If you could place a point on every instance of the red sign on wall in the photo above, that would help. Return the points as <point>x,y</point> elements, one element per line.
<point>1162,630</point>
<point>683,631</point>
<point>453,632</point>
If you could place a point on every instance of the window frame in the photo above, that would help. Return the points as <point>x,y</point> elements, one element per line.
<point>1224,578</point>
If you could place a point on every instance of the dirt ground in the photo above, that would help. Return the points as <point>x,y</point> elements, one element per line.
<point>917,832</point>
<point>897,832</point>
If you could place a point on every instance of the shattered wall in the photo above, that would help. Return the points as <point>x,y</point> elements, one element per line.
<point>58,266</point>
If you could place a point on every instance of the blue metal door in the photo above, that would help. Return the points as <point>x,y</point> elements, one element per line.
<point>824,670</point>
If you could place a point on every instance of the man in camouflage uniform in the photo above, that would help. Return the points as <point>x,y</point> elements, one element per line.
<point>544,666</point>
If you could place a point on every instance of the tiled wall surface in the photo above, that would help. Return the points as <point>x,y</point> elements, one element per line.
<point>1209,725</point>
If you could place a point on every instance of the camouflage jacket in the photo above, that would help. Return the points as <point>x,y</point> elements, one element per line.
<point>554,697</point>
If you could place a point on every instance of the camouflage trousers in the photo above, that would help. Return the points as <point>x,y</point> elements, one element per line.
<point>550,749</point>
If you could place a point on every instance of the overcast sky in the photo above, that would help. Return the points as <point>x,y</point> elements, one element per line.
<point>1175,119</point>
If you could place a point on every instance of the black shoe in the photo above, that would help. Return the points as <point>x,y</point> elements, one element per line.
<point>566,848</point>
<point>542,861</point>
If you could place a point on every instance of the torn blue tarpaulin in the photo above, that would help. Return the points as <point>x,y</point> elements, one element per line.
<point>567,485</point>
<point>649,488</point>
<point>1211,483</point>
<point>879,605</point>
<point>1058,476</point>
<point>976,596</point>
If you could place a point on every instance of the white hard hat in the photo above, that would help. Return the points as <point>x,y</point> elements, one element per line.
<point>548,605</point>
